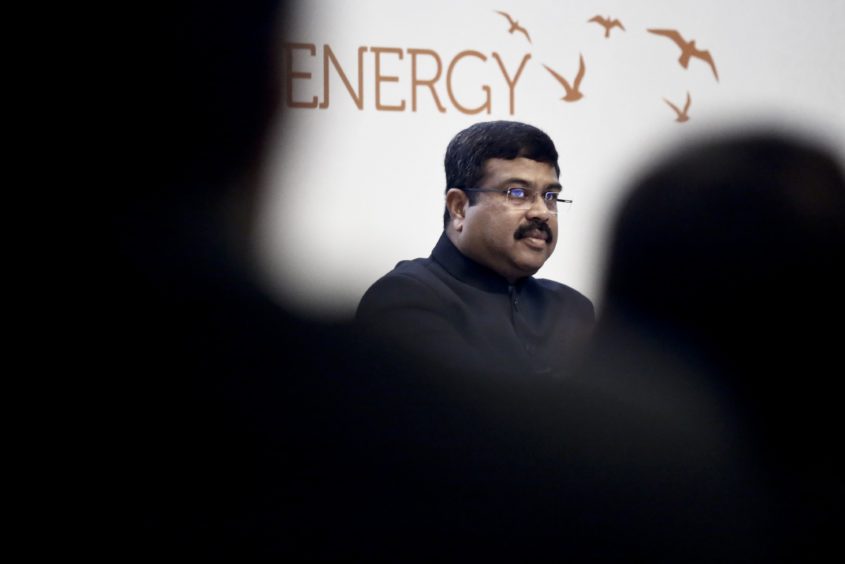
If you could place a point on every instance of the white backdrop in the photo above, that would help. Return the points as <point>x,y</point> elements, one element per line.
<point>349,191</point>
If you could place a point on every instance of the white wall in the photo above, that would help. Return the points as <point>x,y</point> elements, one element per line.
<point>349,191</point>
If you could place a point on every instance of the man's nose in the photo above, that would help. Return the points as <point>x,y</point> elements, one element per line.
<point>539,209</point>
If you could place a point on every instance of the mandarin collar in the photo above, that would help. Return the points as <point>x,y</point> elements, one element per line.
<point>468,271</point>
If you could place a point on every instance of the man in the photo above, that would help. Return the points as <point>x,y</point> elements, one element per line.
<point>474,303</point>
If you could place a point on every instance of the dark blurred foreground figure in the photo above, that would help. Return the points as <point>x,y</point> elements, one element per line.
<point>235,430</point>
<point>714,361</point>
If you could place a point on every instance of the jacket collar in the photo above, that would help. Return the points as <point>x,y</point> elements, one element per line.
<point>467,270</point>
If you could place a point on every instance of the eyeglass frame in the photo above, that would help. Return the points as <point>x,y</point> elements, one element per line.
<point>507,193</point>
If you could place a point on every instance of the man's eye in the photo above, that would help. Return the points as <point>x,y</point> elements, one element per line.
<point>517,193</point>
<point>551,196</point>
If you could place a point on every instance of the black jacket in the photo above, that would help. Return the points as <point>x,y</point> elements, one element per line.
<point>456,312</point>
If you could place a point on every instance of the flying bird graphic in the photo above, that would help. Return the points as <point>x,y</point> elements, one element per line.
<point>607,24</point>
<point>515,25</point>
<point>572,92</point>
<point>682,115</point>
<point>688,49</point>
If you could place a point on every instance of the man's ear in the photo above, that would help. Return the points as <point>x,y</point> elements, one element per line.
<point>456,203</point>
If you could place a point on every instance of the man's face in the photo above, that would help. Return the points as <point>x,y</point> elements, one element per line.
<point>513,242</point>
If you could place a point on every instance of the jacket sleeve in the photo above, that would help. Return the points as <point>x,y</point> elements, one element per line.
<point>410,316</point>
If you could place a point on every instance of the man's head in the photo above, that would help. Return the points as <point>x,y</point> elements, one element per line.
<point>484,222</point>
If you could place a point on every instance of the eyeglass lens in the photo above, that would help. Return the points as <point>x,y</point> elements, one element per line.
<point>522,198</point>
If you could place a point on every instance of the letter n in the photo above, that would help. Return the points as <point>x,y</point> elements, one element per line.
<point>329,55</point>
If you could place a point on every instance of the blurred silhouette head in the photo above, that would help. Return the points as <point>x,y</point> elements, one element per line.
<point>733,246</point>
<point>207,88</point>
<point>732,235</point>
<point>210,92</point>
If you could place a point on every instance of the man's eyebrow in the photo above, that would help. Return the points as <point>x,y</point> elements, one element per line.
<point>522,181</point>
<point>515,181</point>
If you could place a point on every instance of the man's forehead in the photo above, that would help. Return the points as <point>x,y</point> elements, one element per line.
<point>520,168</point>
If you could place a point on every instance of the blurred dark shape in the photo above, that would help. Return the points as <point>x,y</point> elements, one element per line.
<point>716,345</point>
<point>734,247</point>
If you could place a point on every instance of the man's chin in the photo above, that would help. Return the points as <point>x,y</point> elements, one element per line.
<point>528,268</point>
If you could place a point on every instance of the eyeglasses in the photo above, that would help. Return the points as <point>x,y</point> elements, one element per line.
<point>523,199</point>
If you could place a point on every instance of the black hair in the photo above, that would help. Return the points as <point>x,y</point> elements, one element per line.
<point>471,148</point>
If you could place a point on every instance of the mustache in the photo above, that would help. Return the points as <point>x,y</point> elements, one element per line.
<point>534,225</point>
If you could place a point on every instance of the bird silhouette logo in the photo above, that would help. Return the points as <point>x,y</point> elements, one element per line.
<point>683,115</point>
<point>688,49</point>
<point>573,92</point>
<point>607,24</point>
<point>515,25</point>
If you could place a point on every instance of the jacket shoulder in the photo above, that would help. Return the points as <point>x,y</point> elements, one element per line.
<point>408,281</point>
